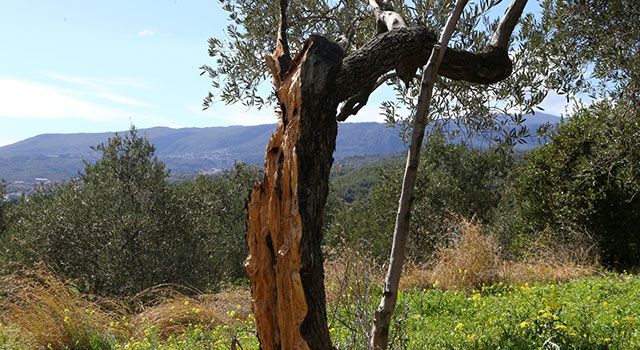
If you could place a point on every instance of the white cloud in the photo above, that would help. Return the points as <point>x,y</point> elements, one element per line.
<point>124,100</point>
<point>96,83</point>
<point>555,104</point>
<point>26,99</point>
<point>146,32</point>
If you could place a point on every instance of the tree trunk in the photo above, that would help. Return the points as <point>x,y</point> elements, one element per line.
<point>382,319</point>
<point>285,263</point>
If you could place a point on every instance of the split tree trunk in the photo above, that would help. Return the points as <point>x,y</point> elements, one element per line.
<point>285,263</point>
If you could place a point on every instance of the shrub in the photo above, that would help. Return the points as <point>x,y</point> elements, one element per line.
<point>453,180</point>
<point>121,228</point>
<point>213,225</point>
<point>584,185</point>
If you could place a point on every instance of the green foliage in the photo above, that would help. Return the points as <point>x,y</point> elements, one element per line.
<point>586,183</point>
<point>221,337</point>
<point>121,228</point>
<point>213,218</point>
<point>239,73</point>
<point>594,46</point>
<point>453,181</point>
<point>354,182</point>
<point>593,313</point>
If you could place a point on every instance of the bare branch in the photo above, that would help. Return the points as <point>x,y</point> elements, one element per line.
<point>502,34</point>
<point>280,60</point>
<point>354,103</point>
<point>387,18</point>
<point>382,319</point>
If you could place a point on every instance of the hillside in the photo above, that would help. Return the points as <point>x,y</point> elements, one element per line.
<point>190,150</point>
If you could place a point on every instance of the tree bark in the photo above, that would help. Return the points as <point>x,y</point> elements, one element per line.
<point>382,319</point>
<point>285,263</point>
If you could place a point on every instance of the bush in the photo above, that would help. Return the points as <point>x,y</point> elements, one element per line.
<point>453,181</point>
<point>3,225</point>
<point>121,228</point>
<point>213,213</point>
<point>584,185</point>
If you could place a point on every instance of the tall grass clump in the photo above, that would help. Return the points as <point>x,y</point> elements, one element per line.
<point>353,283</point>
<point>474,259</point>
<point>50,314</point>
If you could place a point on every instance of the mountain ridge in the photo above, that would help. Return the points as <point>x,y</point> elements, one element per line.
<point>191,150</point>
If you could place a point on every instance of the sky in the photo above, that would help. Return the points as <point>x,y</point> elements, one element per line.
<point>71,66</point>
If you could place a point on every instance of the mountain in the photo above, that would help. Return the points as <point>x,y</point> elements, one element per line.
<point>59,156</point>
<point>190,150</point>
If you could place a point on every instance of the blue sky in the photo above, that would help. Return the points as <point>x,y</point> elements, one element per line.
<point>90,66</point>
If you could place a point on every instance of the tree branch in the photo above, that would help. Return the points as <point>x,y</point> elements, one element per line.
<point>353,105</point>
<point>502,34</point>
<point>280,60</point>
<point>387,18</point>
<point>409,48</point>
<point>382,319</point>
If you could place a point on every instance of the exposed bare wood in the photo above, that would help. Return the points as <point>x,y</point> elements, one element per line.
<point>285,211</point>
<point>387,18</point>
<point>507,24</point>
<point>280,60</point>
<point>382,319</point>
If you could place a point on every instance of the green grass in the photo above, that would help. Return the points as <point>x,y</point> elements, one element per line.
<point>592,313</point>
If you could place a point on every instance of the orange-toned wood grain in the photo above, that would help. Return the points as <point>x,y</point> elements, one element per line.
<point>275,228</point>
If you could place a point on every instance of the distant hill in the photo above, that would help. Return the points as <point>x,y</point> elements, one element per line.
<point>191,150</point>
<point>59,156</point>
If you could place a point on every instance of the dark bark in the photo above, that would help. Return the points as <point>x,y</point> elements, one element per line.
<point>285,262</point>
<point>412,46</point>
<point>318,130</point>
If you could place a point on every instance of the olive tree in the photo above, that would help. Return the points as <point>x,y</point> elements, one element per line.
<point>327,58</point>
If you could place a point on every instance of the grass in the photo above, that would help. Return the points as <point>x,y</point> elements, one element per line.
<point>592,313</point>
<point>475,261</point>
<point>469,297</point>
<point>601,312</point>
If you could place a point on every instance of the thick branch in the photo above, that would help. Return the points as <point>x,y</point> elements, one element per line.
<point>409,48</point>
<point>413,45</point>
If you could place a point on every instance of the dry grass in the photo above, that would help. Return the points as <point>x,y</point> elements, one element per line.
<point>348,271</point>
<point>51,315</point>
<point>173,314</point>
<point>474,260</point>
<point>352,283</point>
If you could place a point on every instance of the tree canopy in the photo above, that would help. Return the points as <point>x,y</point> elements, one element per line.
<point>239,69</point>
